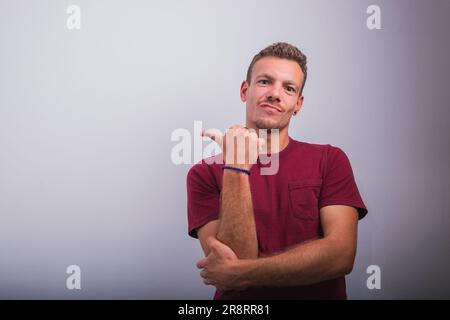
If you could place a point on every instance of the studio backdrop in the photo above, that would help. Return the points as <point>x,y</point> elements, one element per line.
<point>92,92</point>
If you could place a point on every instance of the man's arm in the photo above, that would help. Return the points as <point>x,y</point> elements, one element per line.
<point>236,225</point>
<point>316,261</point>
<point>319,260</point>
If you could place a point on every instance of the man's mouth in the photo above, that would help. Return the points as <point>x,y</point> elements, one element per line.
<point>270,107</point>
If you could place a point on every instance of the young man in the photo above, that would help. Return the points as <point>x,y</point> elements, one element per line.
<point>289,235</point>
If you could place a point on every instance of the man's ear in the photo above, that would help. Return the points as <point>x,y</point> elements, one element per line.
<point>244,87</point>
<point>299,104</point>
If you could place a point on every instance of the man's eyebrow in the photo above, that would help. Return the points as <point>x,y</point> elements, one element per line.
<point>265,75</point>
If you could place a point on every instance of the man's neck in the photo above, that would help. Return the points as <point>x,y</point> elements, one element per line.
<point>283,141</point>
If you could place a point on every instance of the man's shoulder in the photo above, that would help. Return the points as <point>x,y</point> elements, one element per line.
<point>327,151</point>
<point>314,147</point>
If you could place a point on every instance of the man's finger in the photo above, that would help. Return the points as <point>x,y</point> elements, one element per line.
<point>204,274</point>
<point>201,263</point>
<point>213,134</point>
<point>213,244</point>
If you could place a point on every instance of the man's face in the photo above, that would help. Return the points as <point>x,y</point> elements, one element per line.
<point>273,94</point>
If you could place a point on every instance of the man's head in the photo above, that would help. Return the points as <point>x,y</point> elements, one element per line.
<point>274,85</point>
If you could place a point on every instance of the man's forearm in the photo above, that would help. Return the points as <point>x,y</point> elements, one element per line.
<point>308,263</point>
<point>237,223</point>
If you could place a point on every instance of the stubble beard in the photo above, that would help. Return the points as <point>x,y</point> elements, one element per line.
<point>269,124</point>
<point>266,124</point>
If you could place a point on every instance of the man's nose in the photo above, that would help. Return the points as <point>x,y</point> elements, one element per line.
<point>273,93</point>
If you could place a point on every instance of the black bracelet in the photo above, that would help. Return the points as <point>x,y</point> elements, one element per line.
<point>237,169</point>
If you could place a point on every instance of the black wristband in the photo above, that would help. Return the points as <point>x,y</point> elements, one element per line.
<point>236,169</point>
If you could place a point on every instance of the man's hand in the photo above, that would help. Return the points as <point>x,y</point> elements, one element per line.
<point>221,268</point>
<point>240,145</point>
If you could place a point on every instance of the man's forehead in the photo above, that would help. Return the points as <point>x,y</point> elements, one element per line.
<point>278,68</point>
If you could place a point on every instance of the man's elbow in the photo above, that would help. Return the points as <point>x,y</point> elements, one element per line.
<point>247,250</point>
<point>347,261</point>
<point>347,268</point>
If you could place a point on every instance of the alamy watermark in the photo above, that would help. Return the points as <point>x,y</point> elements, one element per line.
<point>73,282</point>
<point>235,143</point>
<point>373,21</point>
<point>374,280</point>
<point>74,19</point>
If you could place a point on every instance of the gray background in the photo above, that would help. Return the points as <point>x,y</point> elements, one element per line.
<point>86,118</point>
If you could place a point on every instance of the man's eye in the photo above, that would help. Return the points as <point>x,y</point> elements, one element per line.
<point>290,89</point>
<point>263,81</point>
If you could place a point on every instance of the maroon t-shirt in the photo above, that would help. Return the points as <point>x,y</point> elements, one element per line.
<point>285,205</point>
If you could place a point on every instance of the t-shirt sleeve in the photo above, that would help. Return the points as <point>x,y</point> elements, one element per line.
<point>339,186</point>
<point>203,197</point>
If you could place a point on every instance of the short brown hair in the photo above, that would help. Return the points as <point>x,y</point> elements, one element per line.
<point>281,50</point>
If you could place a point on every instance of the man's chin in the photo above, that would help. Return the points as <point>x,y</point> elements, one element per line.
<point>267,124</point>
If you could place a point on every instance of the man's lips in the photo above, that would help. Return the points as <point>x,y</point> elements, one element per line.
<point>269,106</point>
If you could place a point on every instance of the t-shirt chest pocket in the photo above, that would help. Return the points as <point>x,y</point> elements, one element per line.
<point>304,198</point>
